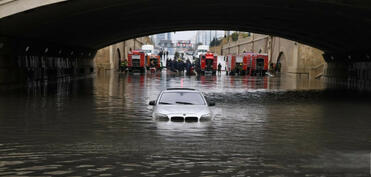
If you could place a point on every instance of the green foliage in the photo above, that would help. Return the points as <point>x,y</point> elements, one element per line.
<point>234,36</point>
<point>245,35</point>
<point>215,42</point>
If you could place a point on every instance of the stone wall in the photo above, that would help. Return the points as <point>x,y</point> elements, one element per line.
<point>295,58</point>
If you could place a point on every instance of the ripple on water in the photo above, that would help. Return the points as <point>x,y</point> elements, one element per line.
<point>10,163</point>
<point>37,168</point>
<point>85,166</point>
<point>59,172</point>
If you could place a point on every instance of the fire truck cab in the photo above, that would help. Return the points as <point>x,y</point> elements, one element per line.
<point>137,61</point>
<point>259,64</point>
<point>208,63</point>
<point>237,64</point>
<point>153,61</point>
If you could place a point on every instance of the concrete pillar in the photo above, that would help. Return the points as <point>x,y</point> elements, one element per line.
<point>253,43</point>
<point>111,57</point>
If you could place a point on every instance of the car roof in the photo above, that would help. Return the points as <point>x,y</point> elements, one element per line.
<point>180,89</point>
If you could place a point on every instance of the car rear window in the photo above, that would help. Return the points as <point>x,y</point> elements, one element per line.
<point>192,98</point>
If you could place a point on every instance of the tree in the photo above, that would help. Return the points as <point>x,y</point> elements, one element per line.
<point>234,36</point>
<point>215,42</point>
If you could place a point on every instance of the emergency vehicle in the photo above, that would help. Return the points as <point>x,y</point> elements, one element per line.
<point>155,60</point>
<point>208,63</point>
<point>237,64</point>
<point>137,61</point>
<point>259,64</point>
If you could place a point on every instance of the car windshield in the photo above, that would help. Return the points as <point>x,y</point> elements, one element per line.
<point>187,98</point>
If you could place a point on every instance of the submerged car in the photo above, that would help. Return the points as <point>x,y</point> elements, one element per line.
<point>181,104</point>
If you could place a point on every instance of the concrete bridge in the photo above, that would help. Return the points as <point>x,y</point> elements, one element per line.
<point>77,28</point>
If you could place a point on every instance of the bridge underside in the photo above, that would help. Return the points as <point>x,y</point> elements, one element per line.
<point>325,24</point>
<point>340,28</point>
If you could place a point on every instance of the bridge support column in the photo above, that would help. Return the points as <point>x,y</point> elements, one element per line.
<point>349,70</point>
<point>24,62</point>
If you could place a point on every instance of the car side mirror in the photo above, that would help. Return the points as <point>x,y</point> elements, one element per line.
<point>211,103</point>
<point>152,103</point>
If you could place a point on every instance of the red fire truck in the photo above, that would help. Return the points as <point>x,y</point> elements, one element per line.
<point>137,61</point>
<point>259,64</point>
<point>208,63</point>
<point>237,64</point>
<point>154,60</point>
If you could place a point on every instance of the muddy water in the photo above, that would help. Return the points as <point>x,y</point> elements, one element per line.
<point>262,127</point>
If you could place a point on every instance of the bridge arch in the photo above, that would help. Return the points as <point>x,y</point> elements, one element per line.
<point>282,63</point>
<point>93,23</point>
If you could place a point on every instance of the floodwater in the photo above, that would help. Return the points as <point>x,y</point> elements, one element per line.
<point>263,126</point>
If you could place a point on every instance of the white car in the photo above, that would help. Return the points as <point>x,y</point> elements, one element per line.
<point>181,104</point>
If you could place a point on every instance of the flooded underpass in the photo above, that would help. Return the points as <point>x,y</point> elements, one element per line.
<point>263,126</point>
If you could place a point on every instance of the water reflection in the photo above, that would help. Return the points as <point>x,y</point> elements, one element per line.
<point>181,129</point>
<point>264,126</point>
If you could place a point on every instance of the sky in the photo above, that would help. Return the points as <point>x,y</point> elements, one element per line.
<point>189,35</point>
<point>184,35</point>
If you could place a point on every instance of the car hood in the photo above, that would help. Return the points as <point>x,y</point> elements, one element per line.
<point>182,109</point>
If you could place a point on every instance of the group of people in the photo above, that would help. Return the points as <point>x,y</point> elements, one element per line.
<point>179,66</point>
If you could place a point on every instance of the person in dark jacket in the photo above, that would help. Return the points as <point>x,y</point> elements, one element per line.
<point>188,67</point>
<point>161,53</point>
<point>173,65</point>
<point>219,69</point>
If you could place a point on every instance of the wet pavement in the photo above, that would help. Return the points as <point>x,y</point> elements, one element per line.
<point>264,126</point>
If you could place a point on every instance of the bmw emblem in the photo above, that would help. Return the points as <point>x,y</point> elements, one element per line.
<point>184,114</point>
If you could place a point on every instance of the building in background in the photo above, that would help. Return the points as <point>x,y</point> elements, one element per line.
<point>162,36</point>
<point>166,45</point>
<point>168,37</point>
<point>159,38</point>
<point>205,37</point>
<point>164,41</point>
